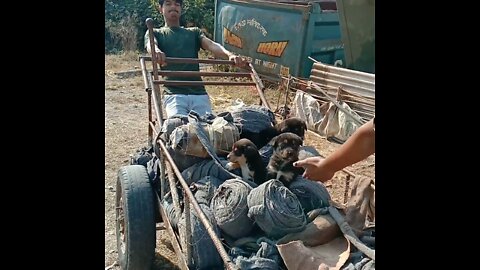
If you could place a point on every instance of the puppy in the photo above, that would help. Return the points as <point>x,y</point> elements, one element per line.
<point>245,155</point>
<point>294,125</point>
<point>286,147</point>
<point>262,138</point>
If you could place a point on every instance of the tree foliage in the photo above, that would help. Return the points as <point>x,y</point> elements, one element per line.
<point>125,21</point>
<point>199,13</point>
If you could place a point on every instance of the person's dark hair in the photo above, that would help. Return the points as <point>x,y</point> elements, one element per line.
<point>178,1</point>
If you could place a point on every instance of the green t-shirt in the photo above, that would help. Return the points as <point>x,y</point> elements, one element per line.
<point>184,43</point>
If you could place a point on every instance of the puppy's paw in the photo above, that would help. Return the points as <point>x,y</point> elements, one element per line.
<point>232,166</point>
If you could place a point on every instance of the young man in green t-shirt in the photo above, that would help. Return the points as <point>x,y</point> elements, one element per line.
<point>172,40</point>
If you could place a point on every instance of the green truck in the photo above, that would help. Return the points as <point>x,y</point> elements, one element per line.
<point>282,37</point>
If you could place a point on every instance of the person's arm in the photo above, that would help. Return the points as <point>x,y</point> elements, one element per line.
<point>159,54</point>
<point>220,52</point>
<point>358,147</point>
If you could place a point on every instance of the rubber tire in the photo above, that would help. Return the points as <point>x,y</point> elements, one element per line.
<point>135,197</point>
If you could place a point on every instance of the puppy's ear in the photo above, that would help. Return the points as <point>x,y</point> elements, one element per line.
<point>305,125</point>
<point>275,142</point>
<point>297,139</point>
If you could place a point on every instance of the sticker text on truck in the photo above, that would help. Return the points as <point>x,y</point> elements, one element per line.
<point>272,48</point>
<point>251,22</point>
<point>231,38</point>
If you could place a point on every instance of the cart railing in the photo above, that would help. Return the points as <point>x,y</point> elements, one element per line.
<point>152,81</point>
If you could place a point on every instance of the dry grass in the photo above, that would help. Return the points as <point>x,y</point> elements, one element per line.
<point>121,62</point>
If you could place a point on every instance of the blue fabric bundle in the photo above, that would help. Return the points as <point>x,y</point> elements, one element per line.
<point>311,194</point>
<point>276,209</point>
<point>229,206</point>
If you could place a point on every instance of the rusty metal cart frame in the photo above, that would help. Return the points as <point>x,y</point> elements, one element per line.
<point>168,168</point>
<point>136,237</point>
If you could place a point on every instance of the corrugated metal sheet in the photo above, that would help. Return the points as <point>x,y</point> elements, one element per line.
<point>355,88</point>
<point>357,82</point>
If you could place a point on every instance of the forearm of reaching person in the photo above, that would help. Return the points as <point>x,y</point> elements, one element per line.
<point>357,148</point>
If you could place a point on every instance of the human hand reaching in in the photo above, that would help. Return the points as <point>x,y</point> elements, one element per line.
<point>315,169</point>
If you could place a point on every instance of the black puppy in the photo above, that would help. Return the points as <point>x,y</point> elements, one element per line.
<point>286,147</point>
<point>262,137</point>
<point>245,155</point>
<point>294,125</point>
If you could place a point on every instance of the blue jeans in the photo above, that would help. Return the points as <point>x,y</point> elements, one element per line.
<point>181,105</point>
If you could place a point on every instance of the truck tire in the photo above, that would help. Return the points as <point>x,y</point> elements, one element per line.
<point>135,218</point>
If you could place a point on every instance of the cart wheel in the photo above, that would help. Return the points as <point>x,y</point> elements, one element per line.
<point>135,218</point>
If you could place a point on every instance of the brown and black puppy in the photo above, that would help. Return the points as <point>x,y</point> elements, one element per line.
<point>244,155</point>
<point>294,125</point>
<point>286,147</point>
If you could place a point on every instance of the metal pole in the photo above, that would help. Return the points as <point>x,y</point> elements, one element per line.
<point>156,89</point>
<point>218,244</point>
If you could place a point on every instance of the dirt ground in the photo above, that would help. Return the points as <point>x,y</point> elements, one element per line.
<point>126,131</point>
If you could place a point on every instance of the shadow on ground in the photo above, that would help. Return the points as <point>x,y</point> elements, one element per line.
<point>162,263</point>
